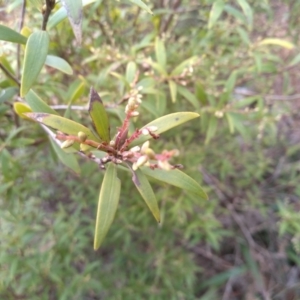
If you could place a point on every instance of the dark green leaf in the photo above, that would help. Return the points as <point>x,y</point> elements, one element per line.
<point>99,116</point>
<point>67,159</point>
<point>142,184</point>
<point>176,178</point>
<point>107,204</point>
<point>62,124</point>
<point>165,123</point>
<point>35,55</point>
<point>9,35</point>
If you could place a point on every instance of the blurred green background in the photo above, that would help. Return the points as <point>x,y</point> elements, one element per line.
<point>241,74</point>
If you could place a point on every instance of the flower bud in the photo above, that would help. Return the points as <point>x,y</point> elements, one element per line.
<point>150,153</point>
<point>140,162</point>
<point>135,149</point>
<point>66,144</point>
<point>145,146</point>
<point>82,136</point>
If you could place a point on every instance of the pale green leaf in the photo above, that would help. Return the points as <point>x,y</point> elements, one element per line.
<point>177,178</point>
<point>165,123</point>
<point>37,104</point>
<point>142,5</point>
<point>295,60</point>
<point>247,11</point>
<point>173,90</point>
<point>8,93</point>
<point>215,13</point>
<point>157,67</point>
<point>35,55</point>
<point>212,128</point>
<point>9,35</point>
<point>61,14</point>
<point>188,95</point>
<point>107,204</point>
<point>185,64</point>
<point>74,12</point>
<point>160,53</point>
<point>99,116</point>
<point>277,42</point>
<point>62,124</point>
<point>130,72</point>
<point>59,64</point>
<point>67,159</point>
<point>142,184</point>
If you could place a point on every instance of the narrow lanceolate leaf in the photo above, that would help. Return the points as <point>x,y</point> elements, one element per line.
<point>165,123</point>
<point>35,55</point>
<point>160,53</point>
<point>74,11</point>
<point>247,11</point>
<point>99,116</point>
<point>173,90</point>
<point>9,35</point>
<point>215,13</point>
<point>107,204</point>
<point>277,42</point>
<point>142,5</point>
<point>176,178</point>
<point>67,159</point>
<point>130,72</point>
<point>62,124</point>
<point>37,104</point>
<point>142,184</point>
<point>59,64</point>
<point>61,14</point>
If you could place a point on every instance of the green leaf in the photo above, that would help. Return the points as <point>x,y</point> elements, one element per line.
<point>160,53</point>
<point>165,123</point>
<point>35,55</point>
<point>99,116</point>
<point>107,204</point>
<point>130,72</point>
<point>8,93</point>
<point>59,64</point>
<point>37,104</point>
<point>62,124</point>
<point>277,42</point>
<point>9,35</point>
<point>157,67</point>
<point>142,5</point>
<point>247,11</point>
<point>61,14</point>
<point>74,12</point>
<point>186,63</point>
<point>295,61</point>
<point>67,159</point>
<point>215,13</point>
<point>142,184</point>
<point>212,128</point>
<point>177,178</point>
<point>236,120</point>
<point>188,95</point>
<point>173,90</point>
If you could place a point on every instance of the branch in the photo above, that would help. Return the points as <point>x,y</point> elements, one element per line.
<point>8,74</point>
<point>46,13</point>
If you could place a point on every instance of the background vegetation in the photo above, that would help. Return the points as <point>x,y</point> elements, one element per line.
<point>241,76</point>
